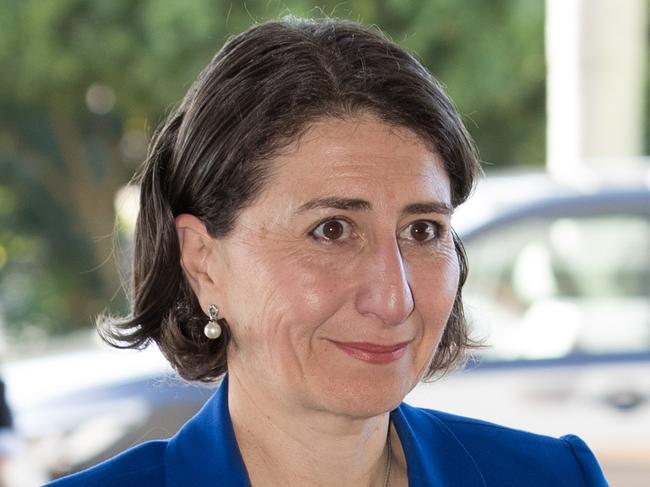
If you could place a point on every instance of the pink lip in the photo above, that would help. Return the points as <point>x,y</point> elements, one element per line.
<point>373,352</point>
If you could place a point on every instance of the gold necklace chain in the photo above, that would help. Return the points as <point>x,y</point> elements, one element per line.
<point>389,460</point>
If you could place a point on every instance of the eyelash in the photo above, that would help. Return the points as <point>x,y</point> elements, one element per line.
<point>437,230</point>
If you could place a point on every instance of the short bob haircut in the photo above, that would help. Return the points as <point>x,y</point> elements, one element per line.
<point>211,158</point>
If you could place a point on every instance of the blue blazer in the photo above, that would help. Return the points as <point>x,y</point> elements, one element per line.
<point>441,450</point>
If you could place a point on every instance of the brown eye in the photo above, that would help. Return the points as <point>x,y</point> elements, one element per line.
<point>420,231</point>
<point>332,230</point>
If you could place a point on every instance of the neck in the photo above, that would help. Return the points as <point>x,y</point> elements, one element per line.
<point>296,447</point>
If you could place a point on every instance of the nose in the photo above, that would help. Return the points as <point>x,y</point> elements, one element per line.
<point>384,289</point>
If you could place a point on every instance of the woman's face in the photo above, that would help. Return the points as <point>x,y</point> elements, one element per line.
<point>337,282</point>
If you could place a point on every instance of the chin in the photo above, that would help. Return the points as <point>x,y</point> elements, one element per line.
<point>362,407</point>
<point>363,398</point>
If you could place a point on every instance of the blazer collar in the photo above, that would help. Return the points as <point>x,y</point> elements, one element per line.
<point>434,455</point>
<point>204,452</point>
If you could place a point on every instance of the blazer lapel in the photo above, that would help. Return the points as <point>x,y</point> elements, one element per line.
<point>204,452</point>
<point>434,456</point>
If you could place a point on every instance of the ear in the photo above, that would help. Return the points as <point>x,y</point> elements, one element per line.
<point>195,245</point>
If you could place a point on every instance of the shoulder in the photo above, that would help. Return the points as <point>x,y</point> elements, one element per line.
<point>141,465</point>
<point>506,455</point>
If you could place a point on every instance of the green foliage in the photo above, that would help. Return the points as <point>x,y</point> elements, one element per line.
<point>84,82</point>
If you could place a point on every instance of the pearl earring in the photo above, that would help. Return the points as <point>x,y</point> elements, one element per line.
<point>212,329</point>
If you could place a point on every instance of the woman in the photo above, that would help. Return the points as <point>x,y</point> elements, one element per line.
<point>295,233</point>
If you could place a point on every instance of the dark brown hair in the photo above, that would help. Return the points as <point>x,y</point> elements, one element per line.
<point>210,159</point>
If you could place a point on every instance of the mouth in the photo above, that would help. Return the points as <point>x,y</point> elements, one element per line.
<point>372,352</point>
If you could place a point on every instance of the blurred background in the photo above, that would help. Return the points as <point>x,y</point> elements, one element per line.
<point>554,92</point>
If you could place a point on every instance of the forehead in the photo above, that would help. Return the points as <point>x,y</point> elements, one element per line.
<point>360,155</point>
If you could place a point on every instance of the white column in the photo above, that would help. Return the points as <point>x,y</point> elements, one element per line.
<point>596,56</point>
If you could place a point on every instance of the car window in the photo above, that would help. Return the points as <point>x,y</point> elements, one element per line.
<point>550,288</point>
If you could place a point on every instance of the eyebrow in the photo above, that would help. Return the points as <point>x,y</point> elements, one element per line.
<point>336,203</point>
<point>363,205</point>
<point>428,207</point>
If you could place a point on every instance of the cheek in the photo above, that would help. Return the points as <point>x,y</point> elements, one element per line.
<point>286,306</point>
<point>284,300</point>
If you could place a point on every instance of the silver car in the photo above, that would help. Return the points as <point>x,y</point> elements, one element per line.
<point>559,293</point>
